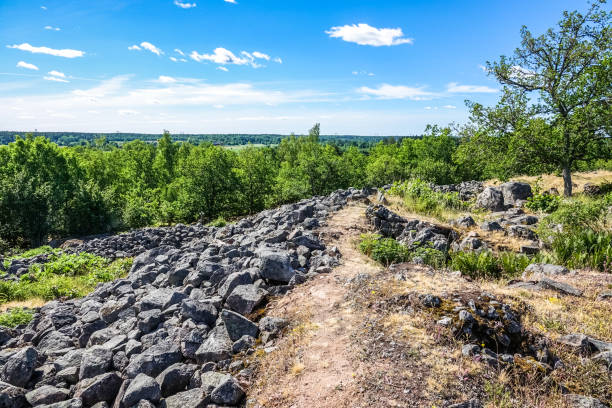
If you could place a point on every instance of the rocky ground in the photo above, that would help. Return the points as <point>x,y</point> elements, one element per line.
<point>281,310</point>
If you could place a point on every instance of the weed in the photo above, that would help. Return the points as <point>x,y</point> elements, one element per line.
<point>15,317</point>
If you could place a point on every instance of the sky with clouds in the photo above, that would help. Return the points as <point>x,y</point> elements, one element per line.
<point>385,67</point>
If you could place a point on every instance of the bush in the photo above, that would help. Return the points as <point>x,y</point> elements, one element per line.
<point>383,250</point>
<point>583,248</point>
<point>486,264</point>
<point>430,256</point>
<point>15,317</point>
<point>547,203</point>
<point>218,222</point>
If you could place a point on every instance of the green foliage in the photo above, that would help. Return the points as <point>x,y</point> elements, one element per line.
<point>487,265</point>
<point>218,222</point>
<point>583,248</point>
<point>420,198</point>
<point>383,250</point>
<point>66,275</point>
<point>15,317</point>
<point>543,202</point>
<point>430,256</point>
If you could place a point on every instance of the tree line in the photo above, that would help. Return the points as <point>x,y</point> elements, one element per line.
<point>554,115</point>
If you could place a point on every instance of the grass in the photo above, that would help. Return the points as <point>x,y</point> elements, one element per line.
<point>419,198</point>
<point>65,276</point>
<point>15,317</point>
<point>548,181</point>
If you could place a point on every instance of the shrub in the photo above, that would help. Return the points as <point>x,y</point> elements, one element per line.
<point>547,203</point>
<point>218,222</point>
<point>577,214</point>
<point>583,248</point>
<point>430,256</point>
<point>486,264</point>
<point>383,250</point>
<point>15,317</point>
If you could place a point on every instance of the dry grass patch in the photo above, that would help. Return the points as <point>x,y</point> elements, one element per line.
<point>548,181</point>
<point>27,304</point>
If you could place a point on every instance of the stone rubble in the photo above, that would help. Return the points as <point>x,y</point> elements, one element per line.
<point>177,330</point>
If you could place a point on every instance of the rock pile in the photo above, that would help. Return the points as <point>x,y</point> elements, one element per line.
<point>174,331</point>
<point>466,189</point>
<point>413,233</point>
<point>510,194</point>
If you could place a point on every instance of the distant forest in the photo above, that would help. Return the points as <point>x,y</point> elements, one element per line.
<point>85,139</point>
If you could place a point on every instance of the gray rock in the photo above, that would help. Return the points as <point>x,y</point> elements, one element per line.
<point>161,299</point>
<point>199,311</point>
<point>245,298</point>
<point>560,287</point>
<point>133,347</point>
<point>490,199</point>
<point>54,341</point>
<point>111,310</point>
<point>470,350</point>
<point>69,375</point>
<point>101,388</point>
<point>491,226</point>
<point>72,358</point>
<point>47,394</point>
<point>237,325</point>
<point>604,357</point>
<point>229,392</point>
<point>96,360</point>
<point>71,403</point>
<point>520,231</point>
<point>466,221</point>
<point>175,378</point>
<point>153,360</point>
<point>243,343</point>
<point>142,387</point>
<point>515,192</point>
<point>216,347</point>
<point>194,398</point>
<point>580,401</point>
<point>233,280</point>
<point>545,269</point>
<point>12,397</point>
<point>275,265</point>
<point>577,341</point>
<point>19,367</point>
<point>149,320</point>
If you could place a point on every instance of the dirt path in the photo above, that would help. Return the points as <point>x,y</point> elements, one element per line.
<point>315,365</point>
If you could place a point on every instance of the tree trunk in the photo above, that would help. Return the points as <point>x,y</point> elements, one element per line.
<point>567,180</point>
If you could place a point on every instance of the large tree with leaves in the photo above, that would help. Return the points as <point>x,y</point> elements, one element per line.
<point>569,69</point>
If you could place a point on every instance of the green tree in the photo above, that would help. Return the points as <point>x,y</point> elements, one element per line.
<point>256,171</point>
<point>569,69</point>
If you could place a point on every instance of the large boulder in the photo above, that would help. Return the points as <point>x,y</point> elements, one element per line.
<point>96,360</point>
<point>47,394</point>
<point>154,360</point>
<point>199,311</point>
<point>19,367</point>
<point>237,325</point>
<point>275,265</point>
<point>216,347</point>
<point>194,398</point>
<point>515,193</point>
<point>175,378</point>
<point>542,269</point>
<point>101,388</point>
<point>142,387</point>
<point>245,298</point>
<point>491,199</point>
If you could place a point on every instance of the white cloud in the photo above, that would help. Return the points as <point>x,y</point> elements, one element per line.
<point>150,47</point>
<point>261,55</point>
<point>363,73</point>
<point>386,91</point>
<point>54,78</point>
<point>517,71</point>
<point>178,51</point>
<point>483,68</point>
<point>43,7</point>
<point>173,59</point>
<point>52,28</point>
<point>223,56</point>
<point>278,60</point>
<point>454,87</point>
<point>184,5</point>
<point>230,1</point>
<point>146,46</point>
<point>364,34</point>
<point>57,74</point>
<point>23,64</point>
<point>222,69</point>
<point>449,107</point>
<point>165,79</point>
<point>66,53</point>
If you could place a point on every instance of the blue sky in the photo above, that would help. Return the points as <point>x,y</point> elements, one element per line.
<point>386,67</point>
